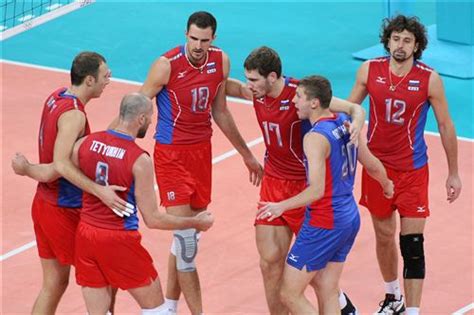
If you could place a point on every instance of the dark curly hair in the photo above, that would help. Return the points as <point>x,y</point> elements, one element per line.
<point>400,23</point>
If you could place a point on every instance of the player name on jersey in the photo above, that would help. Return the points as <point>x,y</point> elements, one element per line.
<point>107,150</point>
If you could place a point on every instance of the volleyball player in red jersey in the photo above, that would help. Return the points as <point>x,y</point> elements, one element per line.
<point>108,249</point>
<point>56,205</point>
<point>401,91</point>
<point>284,171</point>
<point>189,85</point>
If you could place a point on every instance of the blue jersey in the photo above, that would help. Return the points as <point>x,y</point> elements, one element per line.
<point>337,208</point>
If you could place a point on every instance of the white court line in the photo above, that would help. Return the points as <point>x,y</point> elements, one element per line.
<point>233,152</point>
<point>17,250</point>
<point>464,310</point>
<point>231,99</point>
<point>215,160</point>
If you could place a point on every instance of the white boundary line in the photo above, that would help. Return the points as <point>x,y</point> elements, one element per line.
<point>29,24</point>
<point>464,310</point>
<point>17,250</point>
<point>232,99</point>
<point>233,152</point>
<point>215,160</point>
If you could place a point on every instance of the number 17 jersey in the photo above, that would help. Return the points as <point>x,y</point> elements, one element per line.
<point>283,133</point>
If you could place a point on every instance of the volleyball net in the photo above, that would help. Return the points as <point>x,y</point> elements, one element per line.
<point>19,16</point>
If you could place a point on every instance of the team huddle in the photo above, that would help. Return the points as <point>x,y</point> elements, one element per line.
<point>91,186</point>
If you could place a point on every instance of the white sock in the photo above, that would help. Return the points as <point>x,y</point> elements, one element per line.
<point>342,299</point>
<point>160,310</point>
<point>412,311</point>
<point>393,287</point>
<point>172,305</point>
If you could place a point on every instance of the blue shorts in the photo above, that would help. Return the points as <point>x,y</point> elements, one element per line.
<point>316,247</point>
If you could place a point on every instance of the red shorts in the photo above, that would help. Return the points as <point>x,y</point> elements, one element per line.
<point>55,230</point>
<point>112,258</point>
<point>274,190</point>
<point>410,198</point>
<point>184,174</point>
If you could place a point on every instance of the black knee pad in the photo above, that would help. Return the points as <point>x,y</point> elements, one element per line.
<point>413,254</point>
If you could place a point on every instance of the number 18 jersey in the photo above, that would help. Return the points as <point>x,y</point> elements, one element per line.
<point>184,104</point>
<point>283,133</point>
<point>398,114</point>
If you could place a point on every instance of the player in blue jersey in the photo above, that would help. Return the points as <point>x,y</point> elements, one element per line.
<point>332,218</point>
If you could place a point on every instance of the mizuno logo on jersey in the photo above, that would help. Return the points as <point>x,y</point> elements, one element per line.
<point>260,100</point>
<point>381,80</point>
<point>181,74</point>
<point>293,257</point>
<point>420,209</point>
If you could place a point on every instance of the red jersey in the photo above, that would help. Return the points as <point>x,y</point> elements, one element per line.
<point>59,192</point>
<point>107,157</point>
<point>398,114</point>
<point>283,133</point>
<point>184,104</point>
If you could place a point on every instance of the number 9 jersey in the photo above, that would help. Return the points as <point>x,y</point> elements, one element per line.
<point>184,104</point>
<point>398,111</point>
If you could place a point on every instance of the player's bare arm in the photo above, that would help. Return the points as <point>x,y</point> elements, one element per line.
<point>316,148</point>
<point>223,118</point>
<point>70,128</point>
<point>158,76</point>
<point>236,88</point>
<point>40,172</point>
<point>447,132</point>
<point>374,167</point>
<point>146,201</point>
<point>359,91</point>
<point>356,112</point>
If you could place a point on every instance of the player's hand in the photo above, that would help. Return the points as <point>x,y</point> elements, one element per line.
<point>255,170</point>
<point>453,187</point>
<point>19,164</point>
<point>205,221</point>
<point>246,92</point>
<point>388,189</point>
<point>354,131</point>
<point>269,210</point>
<point>107,194</point>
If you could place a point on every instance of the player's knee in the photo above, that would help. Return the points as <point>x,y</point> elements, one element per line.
<point>186,247</point>
<point>385,235</point>
<point>411,246</point>
<point>271,257</point>
<point>55,284</point>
